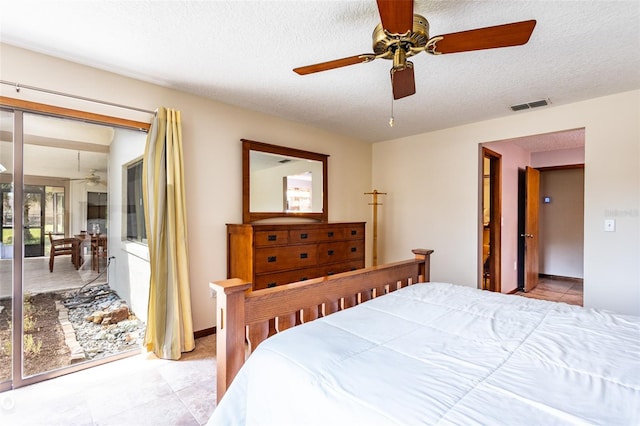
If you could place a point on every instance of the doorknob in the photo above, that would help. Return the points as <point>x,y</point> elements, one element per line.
<point>527,235</point>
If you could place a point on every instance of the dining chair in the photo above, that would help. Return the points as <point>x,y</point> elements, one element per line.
<point>98,251</point>
<point>63,247</point>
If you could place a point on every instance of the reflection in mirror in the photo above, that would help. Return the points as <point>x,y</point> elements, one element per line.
<point>299,192</point>
<point>283,182</point>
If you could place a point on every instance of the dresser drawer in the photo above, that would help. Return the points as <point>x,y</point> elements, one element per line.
<point>355,232</point>
<point>279,278</point>
<point>340,251</point>
<point>311,235</point>
<point>332,252</point>
<point>271,259</point>
<point>271,238</point>
<point>336,268</point>
<point>355,249</point>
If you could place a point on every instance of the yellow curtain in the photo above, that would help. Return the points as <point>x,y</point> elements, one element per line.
<point>169,323</point>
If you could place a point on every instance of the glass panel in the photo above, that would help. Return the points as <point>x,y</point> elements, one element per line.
<point>136,230</point>
<point>54,209</point>
<point>6,246</point>
<point>33,221</point>
<point>69,246</point>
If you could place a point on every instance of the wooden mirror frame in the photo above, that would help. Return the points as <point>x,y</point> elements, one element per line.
<point>249,216</point>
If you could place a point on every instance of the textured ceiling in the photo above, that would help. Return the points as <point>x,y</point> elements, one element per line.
<point>242,53</point>
<point>568,139</point>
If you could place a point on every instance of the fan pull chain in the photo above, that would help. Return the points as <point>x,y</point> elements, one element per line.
<point>391,121</point>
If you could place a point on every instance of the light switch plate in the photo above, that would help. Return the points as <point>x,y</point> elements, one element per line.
<point>609,225</point>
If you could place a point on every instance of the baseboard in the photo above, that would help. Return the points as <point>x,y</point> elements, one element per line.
<point>205,332</point>
<point>561,278</point>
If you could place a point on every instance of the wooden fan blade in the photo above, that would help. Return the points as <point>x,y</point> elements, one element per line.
<point>403,82</point>
<point>337,63</point>
<point>396,15</point>
<point>514,34</point>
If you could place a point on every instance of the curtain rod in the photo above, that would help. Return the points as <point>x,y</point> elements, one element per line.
<point>19,86</point>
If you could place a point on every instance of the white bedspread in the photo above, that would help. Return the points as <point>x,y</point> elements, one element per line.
<point>444,354</point>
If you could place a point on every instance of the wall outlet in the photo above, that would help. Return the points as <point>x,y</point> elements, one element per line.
<point>610,225</point>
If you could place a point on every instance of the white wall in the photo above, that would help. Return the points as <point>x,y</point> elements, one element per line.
<point>432,181</point>
<point>129,272</point>
<point>212,153</point>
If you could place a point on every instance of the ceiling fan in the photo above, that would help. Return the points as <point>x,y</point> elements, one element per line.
<point>403,34</point>
<point>92,179</point>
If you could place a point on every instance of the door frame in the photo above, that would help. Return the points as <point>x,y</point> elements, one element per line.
<point>495,221</point>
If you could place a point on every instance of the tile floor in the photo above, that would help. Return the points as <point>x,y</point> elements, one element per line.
<point>38,279</point>
<point>557,290</point>
<point>140,390</point>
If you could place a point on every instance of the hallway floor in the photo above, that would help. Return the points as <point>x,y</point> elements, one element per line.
<point>557,290</point>
<point>140,390</point>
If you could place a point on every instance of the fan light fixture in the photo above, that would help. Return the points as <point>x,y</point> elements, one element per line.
<point>402,34</point>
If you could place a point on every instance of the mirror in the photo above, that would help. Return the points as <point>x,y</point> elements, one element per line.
<point>282,182</point>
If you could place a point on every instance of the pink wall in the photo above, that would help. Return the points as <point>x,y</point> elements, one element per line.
<point>513,158</point>
<point>559,157</point>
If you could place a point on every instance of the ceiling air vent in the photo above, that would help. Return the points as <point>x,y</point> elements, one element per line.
<point>534,104</point>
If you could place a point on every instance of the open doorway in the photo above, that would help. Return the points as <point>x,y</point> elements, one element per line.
<point>560,237</point>
<point>543,152</point>
<point>491,219</point>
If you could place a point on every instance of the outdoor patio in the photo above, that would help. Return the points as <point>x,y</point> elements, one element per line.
<point>38,279</point>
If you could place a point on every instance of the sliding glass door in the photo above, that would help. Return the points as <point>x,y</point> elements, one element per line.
<point>55,188</point>
<point>6,249</point>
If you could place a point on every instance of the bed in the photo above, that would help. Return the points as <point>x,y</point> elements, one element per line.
<point>424,353</point>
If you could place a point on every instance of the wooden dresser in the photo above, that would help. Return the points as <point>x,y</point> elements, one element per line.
<point>274,254</point>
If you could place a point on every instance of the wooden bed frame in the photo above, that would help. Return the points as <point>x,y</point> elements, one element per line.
<point>245,316</point>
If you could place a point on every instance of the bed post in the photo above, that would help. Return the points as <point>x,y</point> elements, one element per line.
<point>425,266</point>
<point>230,330</point>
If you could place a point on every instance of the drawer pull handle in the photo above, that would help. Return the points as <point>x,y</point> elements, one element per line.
<point>330,252</point>
<point>354,232</point>
<point>354,249</point>
<point>271,259</point>
<point>330,273</point>
<point>353,268</point>
<point>272,237</point>
<point>304,255</point>
<point>304,279</point>
<point>330,234</point>
<point>304,236</point>
<point>271,285</point>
